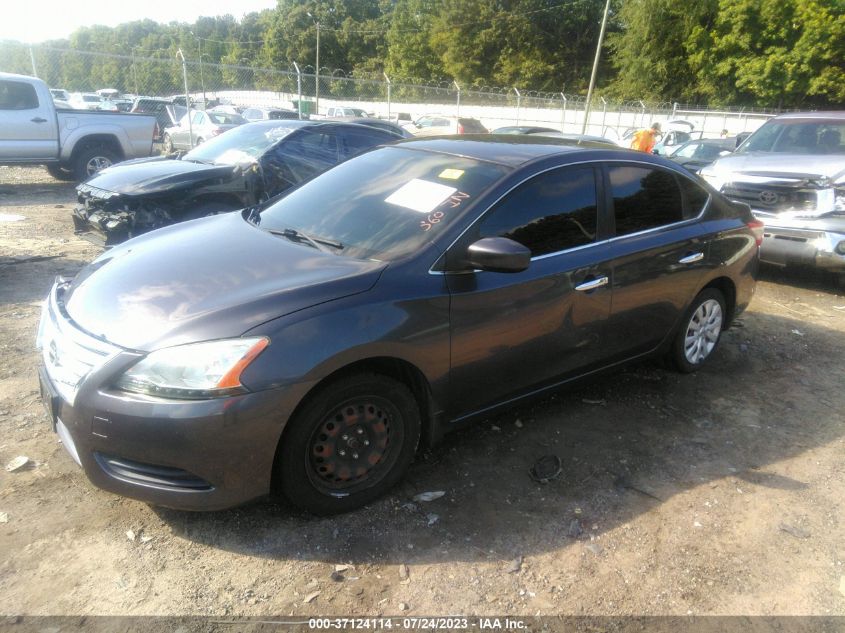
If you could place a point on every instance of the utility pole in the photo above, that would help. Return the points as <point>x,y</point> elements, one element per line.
<point>595,67</point>
<point>317,75</point>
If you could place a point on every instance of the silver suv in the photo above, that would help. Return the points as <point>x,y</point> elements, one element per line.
<point>791,172</point>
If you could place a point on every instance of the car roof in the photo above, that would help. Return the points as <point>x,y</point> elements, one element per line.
<point>296,123</point>
<point>824,115</point>
<point>510,149</point>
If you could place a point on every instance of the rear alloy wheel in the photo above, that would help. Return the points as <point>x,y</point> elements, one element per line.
<point>702,328</point>
<point>91,160</point>
<point>351,443</point>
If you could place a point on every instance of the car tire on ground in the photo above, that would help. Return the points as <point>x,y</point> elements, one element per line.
<point>199,142</point>
<point>92,159</point>
<point>700,332</point>
<point>349,444</point>
<point>60,173</point>
<point>167,144</point>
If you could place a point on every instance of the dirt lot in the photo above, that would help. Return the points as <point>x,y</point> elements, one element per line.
<point>715,493</point>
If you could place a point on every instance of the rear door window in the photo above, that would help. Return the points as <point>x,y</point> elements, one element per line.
<point>644,198</point>
<point>551,212</point>
<point>354,142</point>
<point>309,153</point>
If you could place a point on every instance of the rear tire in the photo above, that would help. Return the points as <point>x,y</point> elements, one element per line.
<point>92,159</point>
<point>700,332</point>
<point>349,444</point>
<point>167,144</point>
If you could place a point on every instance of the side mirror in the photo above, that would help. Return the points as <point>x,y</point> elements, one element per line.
<point>498,255</point>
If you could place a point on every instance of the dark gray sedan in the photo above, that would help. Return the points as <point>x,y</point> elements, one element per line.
<point>312,346</point>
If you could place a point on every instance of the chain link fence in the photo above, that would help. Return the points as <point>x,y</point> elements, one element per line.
<point>241,83</point>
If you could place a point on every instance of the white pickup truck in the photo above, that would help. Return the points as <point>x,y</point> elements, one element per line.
<point>73,144</point>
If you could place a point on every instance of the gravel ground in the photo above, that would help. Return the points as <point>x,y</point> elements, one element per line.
<point>715,493</point>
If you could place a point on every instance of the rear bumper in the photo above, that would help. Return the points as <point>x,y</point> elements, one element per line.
<point>784,245</point>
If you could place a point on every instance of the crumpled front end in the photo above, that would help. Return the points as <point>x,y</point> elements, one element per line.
<point>116,218</point>
<point>803,217</point>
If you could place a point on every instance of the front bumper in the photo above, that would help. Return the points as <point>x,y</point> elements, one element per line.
<point>185,454</point>
<point>802,245</point>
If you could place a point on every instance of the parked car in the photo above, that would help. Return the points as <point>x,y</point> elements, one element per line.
<point>203,126</point>
<point>695,155</point>
<point>167,113</point>
<point>269,114</point>
<point>314,344</point>
<point>791,171</point>
<point>379,124</point>
<point>346,111</point>
<point>72,144</point>
<point>85,101</point>
<point>243,167</point>
<point>60,94</point>
<point>522,129</point>
<point>582,138</point>
<point>436,124</point>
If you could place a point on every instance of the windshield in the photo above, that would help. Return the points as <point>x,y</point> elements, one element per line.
<point>243,143</point>
<point>797,136</point>
<point>384,204</point>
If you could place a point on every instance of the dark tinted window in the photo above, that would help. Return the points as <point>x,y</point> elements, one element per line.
<point>549,213</point>
<point>356,141</point>
<point>644,198</point>
<point>17,95</point>
<point>309,153</point>
<point>696,197</point>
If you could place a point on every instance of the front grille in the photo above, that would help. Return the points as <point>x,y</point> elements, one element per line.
<point>150,474</point>
<point>772,198</point>
<point>69,354</point>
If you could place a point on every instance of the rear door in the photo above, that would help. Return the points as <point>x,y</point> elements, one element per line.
<point>514,332</point>
<point>27,126</point>
<point>353,141</point>
<point>660,254</point>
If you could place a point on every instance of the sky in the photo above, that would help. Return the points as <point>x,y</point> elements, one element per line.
<point>53,19</point>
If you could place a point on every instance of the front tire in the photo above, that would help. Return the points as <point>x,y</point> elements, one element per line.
<point>60,173</point>
<point>349,444</point>
<point>93,159</point>
<point>700,331</point>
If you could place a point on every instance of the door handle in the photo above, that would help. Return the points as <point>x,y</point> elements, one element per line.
<point>38,119</point>
<point>598,282</point>
<point>691,259</point>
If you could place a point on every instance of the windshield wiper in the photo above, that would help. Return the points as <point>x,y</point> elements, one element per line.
<point>317,242</point>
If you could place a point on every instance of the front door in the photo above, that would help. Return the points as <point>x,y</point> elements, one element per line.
<point>512,333</point>
<point>27,126</point>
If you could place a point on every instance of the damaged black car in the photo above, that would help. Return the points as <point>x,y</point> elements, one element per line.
<point>240,168</point>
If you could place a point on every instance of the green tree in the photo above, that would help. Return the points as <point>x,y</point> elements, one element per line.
<point>781,53</point>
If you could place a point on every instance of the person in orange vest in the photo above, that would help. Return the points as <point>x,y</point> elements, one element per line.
<point>643,140</point>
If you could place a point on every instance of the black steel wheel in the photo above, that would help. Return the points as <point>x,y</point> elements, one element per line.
<point>349,444</point>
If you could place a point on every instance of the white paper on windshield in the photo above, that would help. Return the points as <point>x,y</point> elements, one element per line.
<point>420,195</point>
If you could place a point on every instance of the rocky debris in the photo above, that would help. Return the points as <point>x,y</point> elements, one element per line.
<point>404,574</point>
<point>546,469</point>
<point>595,548</point>
<point>792,530</point>
<point>432,518</point>
<point>311,597</point>
<point>130,534</point>
<point>404,606</point>
<point>429,496</point>
<point>4,517</point>
<point>600,402</point>
<point>515,565</point>
<point>21,462</point>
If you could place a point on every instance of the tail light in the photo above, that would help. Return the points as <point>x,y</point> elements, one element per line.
<point>460,129</point>
<point>156,131</point>
<point>217,130</point>
<point>756,227</point>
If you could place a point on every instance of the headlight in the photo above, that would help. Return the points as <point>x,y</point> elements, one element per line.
<point>197,370</point>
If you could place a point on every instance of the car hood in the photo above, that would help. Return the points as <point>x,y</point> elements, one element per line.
<point>766,164</point>
<point>156,175</point>
<point>211,278</point>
